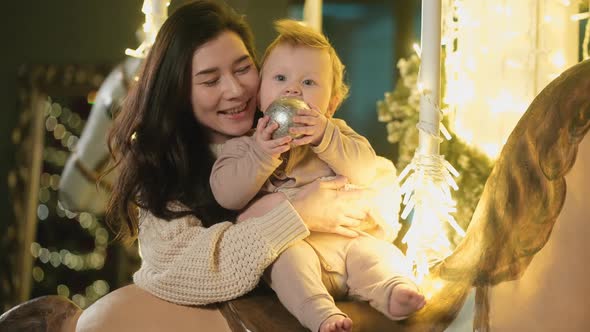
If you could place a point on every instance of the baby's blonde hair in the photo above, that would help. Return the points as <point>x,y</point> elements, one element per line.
<point>296,33</point>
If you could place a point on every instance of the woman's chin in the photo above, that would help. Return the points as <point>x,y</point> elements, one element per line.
<point>239,128</point>
<point>236,124</point>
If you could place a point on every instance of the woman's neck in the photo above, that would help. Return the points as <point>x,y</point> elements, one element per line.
<point>218,138</point>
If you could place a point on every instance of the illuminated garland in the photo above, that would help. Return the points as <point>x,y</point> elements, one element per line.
<point>399,110</point>
<point>62,123</point>
<point>499,56</point>
<point>470,96</point>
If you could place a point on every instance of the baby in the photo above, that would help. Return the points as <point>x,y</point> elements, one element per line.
<point>301,63</point>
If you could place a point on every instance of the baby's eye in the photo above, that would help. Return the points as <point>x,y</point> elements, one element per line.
<point>308,82</point>
<point>280,77</point>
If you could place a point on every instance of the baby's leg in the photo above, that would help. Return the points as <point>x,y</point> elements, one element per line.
<point>379,273</point>
<point>296,278</point>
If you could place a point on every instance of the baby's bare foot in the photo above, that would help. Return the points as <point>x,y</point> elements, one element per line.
<point>405,300</point>
<point>336,323</point>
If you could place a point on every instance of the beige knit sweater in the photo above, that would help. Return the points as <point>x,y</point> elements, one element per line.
<point>186,263</point>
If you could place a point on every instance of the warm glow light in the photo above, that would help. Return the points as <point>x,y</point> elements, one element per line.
<point>431,287</point>
<point>426,190</point>
<point>557,58</point>
<point>492,149</point>
<point>533,42</point>
<point>417,49</point>
<point>580,16</point>
<point>420,87</point>
<point>506,102</point>
<point>511,63</point>
<point>156,12</point>
<point>553,76</point>
<point>460,91</point>
<point>547,18</point>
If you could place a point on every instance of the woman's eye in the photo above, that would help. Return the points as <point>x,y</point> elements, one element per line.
<point>243,70</point>
<point>211,82</point>
<point>308,82</point>
<point>280,77</point>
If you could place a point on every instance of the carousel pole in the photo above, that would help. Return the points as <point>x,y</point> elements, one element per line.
<point>312,14</point>
<point>426,190</point>
<point>28,228</point>
<point>430,36</point>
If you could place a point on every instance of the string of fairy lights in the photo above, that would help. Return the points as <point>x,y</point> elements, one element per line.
<point>57,121</point>
<point>499,54</point>
<point>60,124</point>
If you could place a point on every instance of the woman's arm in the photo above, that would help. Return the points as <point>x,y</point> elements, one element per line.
<point>186,263</point>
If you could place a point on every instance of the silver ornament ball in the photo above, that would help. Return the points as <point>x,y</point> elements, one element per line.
<point>282,112</point>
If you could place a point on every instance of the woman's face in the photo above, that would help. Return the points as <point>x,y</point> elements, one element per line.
<point>224,86</point>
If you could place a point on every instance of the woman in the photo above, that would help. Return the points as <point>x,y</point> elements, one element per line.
<point>199,88</point>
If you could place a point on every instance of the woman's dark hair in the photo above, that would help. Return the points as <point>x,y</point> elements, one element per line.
<point>161,152</point>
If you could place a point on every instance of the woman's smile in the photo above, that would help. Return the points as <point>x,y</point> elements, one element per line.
<point>235,110</point>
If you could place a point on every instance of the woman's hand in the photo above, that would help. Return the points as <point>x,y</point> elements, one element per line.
<point>325,207</point>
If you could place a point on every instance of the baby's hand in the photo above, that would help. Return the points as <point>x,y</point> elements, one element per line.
<point>263,137</point>
<point>312,126</point>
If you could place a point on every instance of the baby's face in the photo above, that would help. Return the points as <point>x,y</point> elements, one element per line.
<point>297,71</point>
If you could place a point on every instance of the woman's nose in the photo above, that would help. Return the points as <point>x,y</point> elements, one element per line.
<point>234,88</point>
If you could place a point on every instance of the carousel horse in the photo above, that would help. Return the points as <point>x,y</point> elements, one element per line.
<point>80,185</point>
<point>508,255</point>
<point>81,188</point>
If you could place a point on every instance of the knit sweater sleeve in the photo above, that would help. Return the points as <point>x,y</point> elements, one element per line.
<point>186,263</point>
